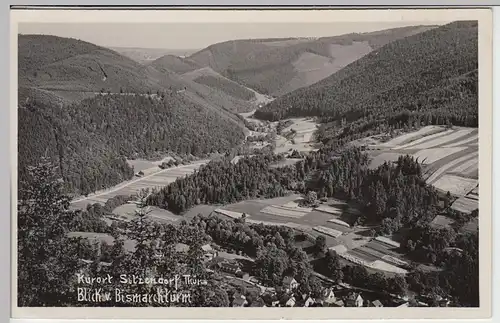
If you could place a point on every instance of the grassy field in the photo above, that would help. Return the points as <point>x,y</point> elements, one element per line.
<point>127,213</point>
<point>301,140</point>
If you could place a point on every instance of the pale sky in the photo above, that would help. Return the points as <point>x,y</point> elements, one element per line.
<point>197,35</point>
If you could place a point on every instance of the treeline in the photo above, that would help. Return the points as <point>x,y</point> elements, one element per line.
<point>344,174</point>
<point>267,68</point>
<point>459,276</point>
<point>92,218</point>
<point>222,182</point>
<point>48,260</point>
<point>91,140</point>
<point>273,248</point>
<point>426,78</point>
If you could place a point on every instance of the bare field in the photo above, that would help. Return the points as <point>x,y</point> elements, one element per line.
<point>456,185</point>
<point>441,141</point>
<point>412,136</point>
<point>447,167</point>
<point>465,204</point>
<point>329,209</point>
<point>432,155</point>
<point>424,139</point>
<point>328,231</point>
<point>382,265</point>
<point>289,212</point>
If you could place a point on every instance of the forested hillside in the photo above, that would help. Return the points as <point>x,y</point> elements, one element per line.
<point>217,82</point>
<point>427,78</point>
<point>56,63</point>
<point>269,65</point>
<point>89,108</point>
<point>91,139</point>
<point>175,64</point>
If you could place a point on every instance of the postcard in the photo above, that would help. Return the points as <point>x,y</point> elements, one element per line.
<point>251,164</point>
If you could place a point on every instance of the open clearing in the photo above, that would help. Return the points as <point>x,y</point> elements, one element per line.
<point>302,140</point>
<point>128,245</point>
<point>158,179</point>
<point>382,158</point>
<point>144,165</point>
<point>126,212</point>
<point>312,68</point>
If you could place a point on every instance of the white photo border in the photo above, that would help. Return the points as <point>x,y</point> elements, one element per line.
<point>485,102</point>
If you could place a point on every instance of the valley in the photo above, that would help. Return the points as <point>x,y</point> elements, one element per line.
<point>342,163</point>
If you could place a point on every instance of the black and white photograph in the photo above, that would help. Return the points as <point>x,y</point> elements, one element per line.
<point>330,163</point>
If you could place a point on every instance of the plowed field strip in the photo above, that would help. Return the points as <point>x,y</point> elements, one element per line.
<point>363,255</point>
<point>425,139</point>
<point>447,167</point>
<point>443,140</point>
<point>472,163</point>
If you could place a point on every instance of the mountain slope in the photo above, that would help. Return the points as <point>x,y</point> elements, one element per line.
<point>434,71</point>
<point>212,79</point>
<point>143,112</point>
<point>56,63</point>
<point>175,64</point>
<point>279,66</point>
<point>147,55</point>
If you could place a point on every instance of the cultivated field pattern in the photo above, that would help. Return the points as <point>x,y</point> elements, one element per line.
<point>450,158</point>
<point>157,179</point>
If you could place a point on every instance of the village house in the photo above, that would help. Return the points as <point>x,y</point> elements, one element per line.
<point>290,284</point>
<point>309,302</point>
<point>328,295</point>
<point>243,275</point>
<point>377,303</point>
<point>209,252</point>
<point>337,303</point>
<point>239,300</point>
<point>291,302</point>
<point>354,300</point>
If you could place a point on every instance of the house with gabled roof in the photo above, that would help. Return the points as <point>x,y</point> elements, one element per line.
<point>290,284</point>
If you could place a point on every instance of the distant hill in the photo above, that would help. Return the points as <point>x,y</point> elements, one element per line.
<point>73,70</point>
<point>430,77</point>
<point>147,55</point>
<point>214,80</point>
<point>279,66</point>
<point>175,64</point>
<point>141,112</point>
<point>64,64</point>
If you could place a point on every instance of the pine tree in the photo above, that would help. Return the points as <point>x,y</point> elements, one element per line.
<point>46,263</point>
